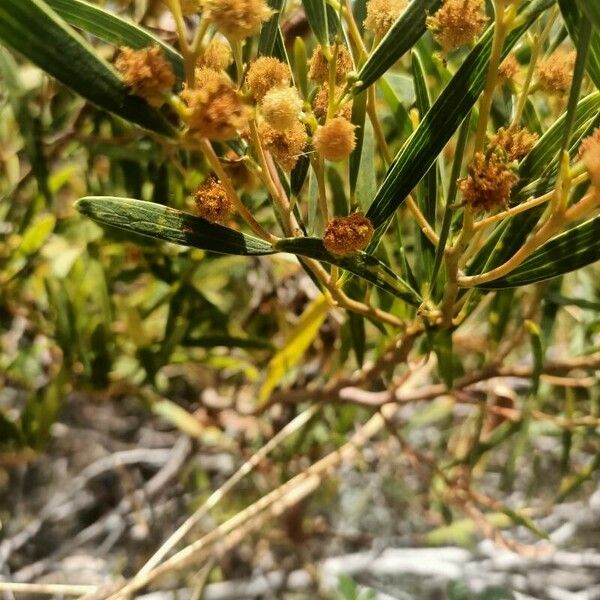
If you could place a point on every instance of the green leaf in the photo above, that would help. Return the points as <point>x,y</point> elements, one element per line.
<point>300,338</point>
<point>32,28</point>
<point>170,225</point>
<point>572,250</point>
<point>364,265</point>
<point>316,13</point>
<point>113,29</point>
<point>591,9</point>
<point>268,32</point>
<point>401,37</point>
<point>420,151</point>
<point>573,17</point>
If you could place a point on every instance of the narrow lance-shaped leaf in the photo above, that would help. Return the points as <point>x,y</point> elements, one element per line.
<point>572,250</point>
<point>364,265</point>
<point>316,13</point>
<point>268,32</point>
<point>113,29</point>
<point>402,36</point>
<point>170,225</point>
<point>32,28</point>
<point>420,151</point>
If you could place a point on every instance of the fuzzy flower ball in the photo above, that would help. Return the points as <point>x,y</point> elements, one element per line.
<point>556,72</point>
<point>286,146</point>
<point>237,19</point>
<point>346,235</point>
<point>318,68</point>
<point>457,23</point>
<point>280,107</point>
<point>266,73</point>
<point>381,15</point>
<point>146,73</point>
<point>212,201</point>
<point>336,139</point>
<point>515,141</point>
<point>589,151</point>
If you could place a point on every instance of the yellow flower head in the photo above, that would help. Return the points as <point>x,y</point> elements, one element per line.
<point>286,146</point>
<point>265,73</point>
<point>489,182</point>
<point>281,107</point>
<point>336,139</point>
<point>146,73</point>
<point>457,23</point>
<point>318,69</point>
<point>515,141</point>
<point>589,151</point>
<point>556,72</point>
<point>212,201</point>
<point>237,19</point>
<point>346,235</point>
<point>381,15</point>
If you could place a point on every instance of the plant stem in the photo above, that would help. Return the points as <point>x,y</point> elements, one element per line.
<point>485,103</point>
<point>422,221</point>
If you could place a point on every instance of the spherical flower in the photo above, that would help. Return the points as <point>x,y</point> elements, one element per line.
<point>286,146</point>
<point>336,139</point>
<point>489,182</point>
<point>212,201</point>
<point>280,107</point>
<point>146,73</point>
<point>346,235</point>
<point>381,15</point>
<point>265,73</point>
<point>321,103</point>
<point>508,68</point>
<point>589,151</point>
<point>318,68</point>
<point>457,23</point>
<point>215,108</point>
<point>515,141</point>
<point>556,72</point>
<point>238,19</point>
<point>217,55</point>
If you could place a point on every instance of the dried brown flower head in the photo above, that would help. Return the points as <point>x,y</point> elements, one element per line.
<point>515,141</point>
<point>217,55</point>
<point>265,73</point>
<point>508,68</point>
<point>589,151</point>
<point>489,182</point>
<point>556,72</point>
<point>237,19</point>
<point>281,107</point>
<point>318,67</point>
<point>457,23</point>
<point>346,235</point>
<point>146,73</point>
<point>381,15</point>
<point>321,103</point>
<point>212,201</point>
<point>336,139</point>
<point>215,108</point>
<point>286,146</point>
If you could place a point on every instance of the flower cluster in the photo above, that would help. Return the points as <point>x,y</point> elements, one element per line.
<point>346,235</point>
<point>457,23</point>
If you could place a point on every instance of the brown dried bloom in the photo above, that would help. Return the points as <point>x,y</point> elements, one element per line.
<point>286,146</point>
<point>346,235</point>
<point>381,15</point>
<point>508,68</point>
<point>217,55</point>
<point>589,151</point>
<point>318,67</point>
<point>457,23</point>
<point>238,19</point>
<point>556,72</point>
<point>146,73</point>
<point>321,103</point>
<point>265,73</point>
<point>212,201</point>
<point>515,141</point>
<point>336,139</point>
<point>280,107</point>
<point>489,182</point>
<point>216,111</point>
